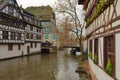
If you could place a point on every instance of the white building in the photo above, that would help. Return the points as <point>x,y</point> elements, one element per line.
<point>103,35</point>
<point>48,22</point>
<point>20,33</point>
<point>32,34</point>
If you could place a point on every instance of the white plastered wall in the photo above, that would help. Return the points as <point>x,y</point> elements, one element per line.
<point>32,50</point>
<point>97,71</point>
<point>4,53</point>
<point>117,40</point>
<point>100,51</point>
<point>35,49</point>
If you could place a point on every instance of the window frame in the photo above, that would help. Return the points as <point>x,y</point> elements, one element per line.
<point>96,49</point>
<point>5,35</point>
<point>19,46</point>
<point>110,44</point>
<point>10,47</point>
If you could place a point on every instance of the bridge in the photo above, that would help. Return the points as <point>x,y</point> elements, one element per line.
<point>74,49</point>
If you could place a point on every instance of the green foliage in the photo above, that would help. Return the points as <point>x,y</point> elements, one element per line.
<point>100,7</point>
<point>88,22</point>
<point>90,54</point>
<point>109,67</point>
<point>96,58</point>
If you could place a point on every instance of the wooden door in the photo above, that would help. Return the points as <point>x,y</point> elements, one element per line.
<point>28,49</point>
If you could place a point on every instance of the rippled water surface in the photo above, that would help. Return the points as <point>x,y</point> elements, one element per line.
<point>60,66</point>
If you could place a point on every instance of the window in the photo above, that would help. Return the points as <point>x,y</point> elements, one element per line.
<point>46,23</point>
<point>31,44</point>
<point>19,47</point>
<point>96,51</point>
<point>35,45</point>
<point>10,10</point>
<point>38,37</point>
<point>12,2</point>
<point>5,34</point>
<point>38,30</point>
<point>46,30</point>
<point>90,49</point>
<point>46,36</point>
<point>27,36</point>
<point>12,35</point>
<point>10,47</point>
<point>109,51</point>
<point>31,36</point>
<point>43,23</point>
<point>90,45</point>
<point>31,28</point>
<point>19,36</point>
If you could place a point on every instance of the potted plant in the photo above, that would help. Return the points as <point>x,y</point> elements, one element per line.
<point>109,67</point>
<point>90,54</point>
<point>96,58</point>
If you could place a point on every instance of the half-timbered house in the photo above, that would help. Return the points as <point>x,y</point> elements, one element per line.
<point>32,33</point>
<point>103,35</point>
<point>14,33</point>
<point>11,29</point>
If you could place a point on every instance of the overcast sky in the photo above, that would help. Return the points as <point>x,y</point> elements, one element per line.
<point>27,3</point>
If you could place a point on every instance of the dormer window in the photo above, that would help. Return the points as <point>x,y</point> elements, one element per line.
<point>12,2</point>
<point>11,10</point>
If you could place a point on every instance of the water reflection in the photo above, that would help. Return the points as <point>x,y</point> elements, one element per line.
<point>40,67</point>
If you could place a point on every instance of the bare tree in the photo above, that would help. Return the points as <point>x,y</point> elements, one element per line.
<point>64,33</point>
<point>68,7</point>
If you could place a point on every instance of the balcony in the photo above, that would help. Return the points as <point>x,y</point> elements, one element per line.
<point>6,41</point>
<point>33,40</point>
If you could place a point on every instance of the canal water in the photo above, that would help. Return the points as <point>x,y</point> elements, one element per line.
<point>60,66</point>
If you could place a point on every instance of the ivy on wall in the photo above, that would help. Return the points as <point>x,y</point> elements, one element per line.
<point>101,5</point>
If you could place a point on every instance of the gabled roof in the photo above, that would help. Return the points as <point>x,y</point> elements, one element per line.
<point>41,12</point>
<point>3,3</point>
<point>26,12</point>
